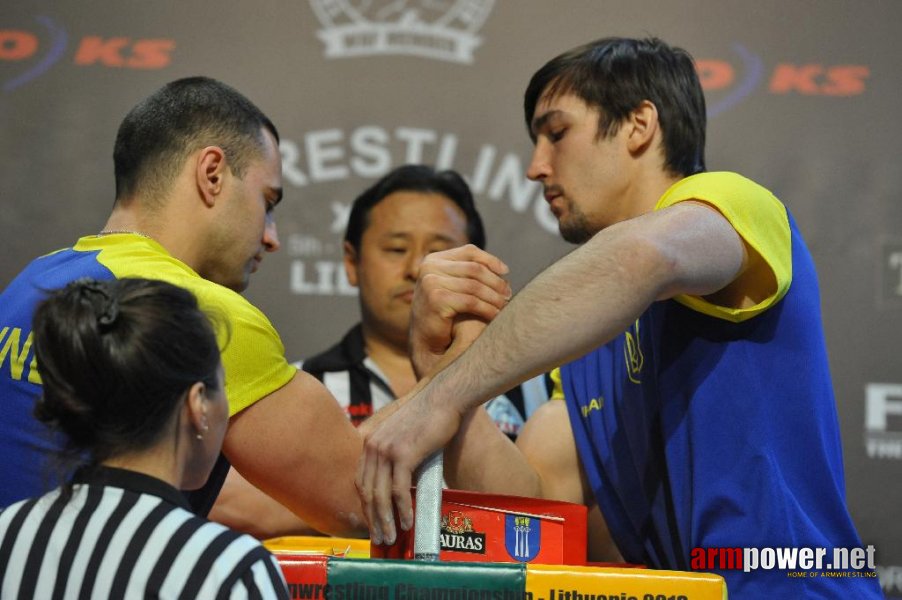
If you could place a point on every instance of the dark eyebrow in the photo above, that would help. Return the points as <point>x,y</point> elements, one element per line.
<point>403,235</point>
<point>395,235</point>
<point>540,121</point>
<point>441,237</point>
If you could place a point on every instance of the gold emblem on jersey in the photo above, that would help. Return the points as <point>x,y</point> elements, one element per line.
<point>632,353</point>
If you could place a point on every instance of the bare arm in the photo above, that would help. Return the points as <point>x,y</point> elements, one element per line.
<point>243,507</point>
<point>593,294</point>
<point>458,291</point>
<point>582,301</point>
<point>544,463</point>
<point>297,446</point>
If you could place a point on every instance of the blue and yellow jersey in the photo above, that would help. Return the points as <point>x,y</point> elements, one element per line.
<point>253,355</point>
<point>706,426</point>
<point>760,219</point>
<point>763,225</point>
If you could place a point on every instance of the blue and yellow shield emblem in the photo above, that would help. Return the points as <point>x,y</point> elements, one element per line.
<point>522,537</point>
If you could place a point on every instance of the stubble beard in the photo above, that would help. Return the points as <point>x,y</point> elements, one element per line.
<point>575,227</point>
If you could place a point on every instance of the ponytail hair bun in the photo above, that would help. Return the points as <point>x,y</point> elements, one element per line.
<point>116,358</point>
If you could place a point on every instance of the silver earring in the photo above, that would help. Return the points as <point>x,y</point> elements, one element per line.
<point>199,436</point>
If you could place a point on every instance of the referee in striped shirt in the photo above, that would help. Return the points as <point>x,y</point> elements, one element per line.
<point>132,378</point>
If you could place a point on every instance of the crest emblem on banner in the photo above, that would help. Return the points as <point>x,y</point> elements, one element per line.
<point>522,537</point>
<point>457,534</point>
<point>438,29</point>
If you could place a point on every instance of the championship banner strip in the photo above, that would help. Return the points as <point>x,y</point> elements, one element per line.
<point>305,575</point>
<point>546,582</point>
<point>363,579</point>
<point>336,569</point>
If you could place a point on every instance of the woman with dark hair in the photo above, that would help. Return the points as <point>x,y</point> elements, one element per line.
<point>132,379</point>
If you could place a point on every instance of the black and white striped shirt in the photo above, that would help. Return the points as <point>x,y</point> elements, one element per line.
<point>123,534</point>
<point>351,376</point>
<point>361,389</point>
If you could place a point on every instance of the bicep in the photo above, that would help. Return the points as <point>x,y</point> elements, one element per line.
<point>715,265</point>
<point>699,248</point>
<point>297,445</point>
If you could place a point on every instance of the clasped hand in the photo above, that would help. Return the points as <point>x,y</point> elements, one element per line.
<point>458,292</point>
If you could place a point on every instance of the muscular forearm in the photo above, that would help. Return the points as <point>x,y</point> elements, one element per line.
<point>483,459</point>
<point>593,294</point>
<point>242,506</point>
<point>297,446</point>
<point>544,462</point>
<point>582,301</point>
